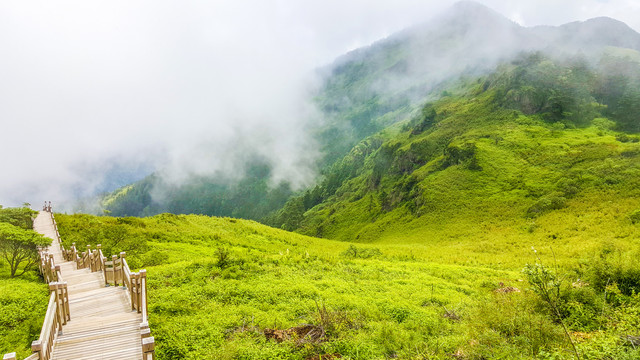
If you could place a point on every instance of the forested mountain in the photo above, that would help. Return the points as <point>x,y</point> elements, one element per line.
<point>535,136</point>
<point>373,88</point>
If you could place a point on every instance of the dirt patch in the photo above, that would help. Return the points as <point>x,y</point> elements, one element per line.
<point>507,290</point>
<point>325,357</point>
<point>450,314</point>
<point>303,334</point>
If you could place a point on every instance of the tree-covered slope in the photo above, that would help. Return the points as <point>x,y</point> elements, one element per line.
<point>535,139</point>
<point>250,197</point>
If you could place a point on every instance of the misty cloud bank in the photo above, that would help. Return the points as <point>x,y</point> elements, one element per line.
<point>92,92</point>
<point>98,94</point>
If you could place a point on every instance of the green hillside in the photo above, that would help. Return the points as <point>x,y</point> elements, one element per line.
<point>538,141</point>
<point>218,285</point>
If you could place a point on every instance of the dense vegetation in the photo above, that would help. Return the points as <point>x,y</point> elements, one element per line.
<point>23,296</point>
<point>218,285</point>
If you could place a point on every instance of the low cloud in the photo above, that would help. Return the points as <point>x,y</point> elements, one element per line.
<point>100,93</point>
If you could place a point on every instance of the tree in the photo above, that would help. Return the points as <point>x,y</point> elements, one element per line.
<point>21,217</point>
<point>20,247</point>
<point>628,110</point>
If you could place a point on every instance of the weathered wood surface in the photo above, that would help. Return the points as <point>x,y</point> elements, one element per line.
<point>102,325</point>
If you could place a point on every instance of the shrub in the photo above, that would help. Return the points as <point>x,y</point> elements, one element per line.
<point>635,216</point>
<point>614,267</point>
<point>362,253</point>
<point>549,202</point>
<point>548,286</point>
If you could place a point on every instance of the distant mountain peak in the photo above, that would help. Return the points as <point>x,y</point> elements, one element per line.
<point>474,14</point>
<point>602,30</point>
<point>471,5</point>
<point>472,8</point>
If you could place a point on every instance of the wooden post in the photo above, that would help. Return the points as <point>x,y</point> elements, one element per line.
<point>133,291</point>
<point>122,256</point>
<point>148,348</point>
<point>65,298</point>
<point>54,288</point>
<point>104,266</point>
<point>10,356</point>
<point>98,257</point>
<point>143,293</point>
<point>56,270</point>
<point>51,267</point>
<point>74,254</point>
<point>62,302</point>
<point>36,348</point>
<point>92,260</point>
<point>115,269</point>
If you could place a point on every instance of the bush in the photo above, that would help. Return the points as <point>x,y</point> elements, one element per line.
<point>550,202</point>
<point>362,253</point>
<point>635,216</point>
<point>154,258</point>
<point>615,267</point>
<point>464,155</point>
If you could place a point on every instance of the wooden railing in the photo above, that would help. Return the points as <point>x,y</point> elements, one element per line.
<point>116,272</point>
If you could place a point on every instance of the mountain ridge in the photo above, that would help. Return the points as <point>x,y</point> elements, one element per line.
<point>379,85</point>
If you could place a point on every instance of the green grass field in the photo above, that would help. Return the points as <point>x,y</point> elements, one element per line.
<point>217,283</point>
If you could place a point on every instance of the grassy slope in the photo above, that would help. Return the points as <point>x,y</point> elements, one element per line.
<point>523,160</point>
<point>391,303</point>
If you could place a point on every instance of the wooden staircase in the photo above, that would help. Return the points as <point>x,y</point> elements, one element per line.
<point>97,308</point>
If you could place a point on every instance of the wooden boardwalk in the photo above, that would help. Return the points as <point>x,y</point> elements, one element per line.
<point>103,324</point>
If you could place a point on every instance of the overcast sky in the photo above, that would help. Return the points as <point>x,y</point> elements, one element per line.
<point>90,87</point>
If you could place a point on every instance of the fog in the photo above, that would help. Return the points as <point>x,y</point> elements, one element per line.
<point>94,95</point>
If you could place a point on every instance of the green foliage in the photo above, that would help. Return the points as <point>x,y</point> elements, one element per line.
<point>23,299</point>
<point>21,217</point>
<point>19,247</point>
<point>615,266</point>
<point>476,159</point>
<point>23,304</point>
<point>635,216</point>
<point>464,155</point>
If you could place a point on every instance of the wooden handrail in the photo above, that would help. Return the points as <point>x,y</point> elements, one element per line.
<point>44,345</point>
